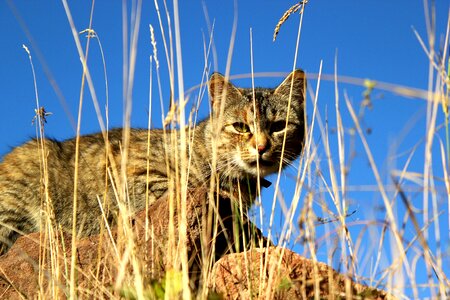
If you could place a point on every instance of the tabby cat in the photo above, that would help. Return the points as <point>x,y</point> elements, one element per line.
<point>245,132</point>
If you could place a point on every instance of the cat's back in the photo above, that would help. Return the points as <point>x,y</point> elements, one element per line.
<point>26,160</point>
<point>28,163</point>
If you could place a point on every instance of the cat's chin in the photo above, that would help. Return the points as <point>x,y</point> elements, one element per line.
<point>260,170</point>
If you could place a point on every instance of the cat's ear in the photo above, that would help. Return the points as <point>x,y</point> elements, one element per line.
<point>220,88</point>
<point>296,80</point>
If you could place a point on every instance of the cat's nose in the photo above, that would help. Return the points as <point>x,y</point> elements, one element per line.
<point>262,148</point>
<point>260,143</point>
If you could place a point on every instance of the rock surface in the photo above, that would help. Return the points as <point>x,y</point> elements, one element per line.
<point>253,274</point>
<point>277,273</point>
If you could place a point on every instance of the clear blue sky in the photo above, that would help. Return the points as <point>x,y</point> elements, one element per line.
<point>370,39</point>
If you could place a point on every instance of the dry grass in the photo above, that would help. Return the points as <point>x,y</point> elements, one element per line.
<point>293,9</point>
<point>396,272</point>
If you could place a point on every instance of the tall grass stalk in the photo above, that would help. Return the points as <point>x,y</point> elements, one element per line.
<point>183,138</point>
<point>73,292</point>
<point>270,285</point>
<point>49,234</point>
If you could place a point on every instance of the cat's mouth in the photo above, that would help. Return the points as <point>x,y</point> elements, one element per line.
<point>261,163</point>
<point>262,167</point>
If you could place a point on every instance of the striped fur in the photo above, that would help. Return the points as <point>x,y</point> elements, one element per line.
<point>240,141</point>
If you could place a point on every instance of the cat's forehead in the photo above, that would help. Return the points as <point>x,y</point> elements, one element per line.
<point>259,103</point>
<point>259,94</point>
<point>266,101</point>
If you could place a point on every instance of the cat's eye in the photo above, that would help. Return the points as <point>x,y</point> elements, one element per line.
<point>277,126</point>
<point>241,127</point>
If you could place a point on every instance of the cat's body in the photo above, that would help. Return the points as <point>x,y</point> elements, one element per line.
<point>246,142</point>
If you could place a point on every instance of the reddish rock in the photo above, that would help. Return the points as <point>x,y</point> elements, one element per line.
<point>277,273</point>
<point>102,269</point>
<point>97,267</point>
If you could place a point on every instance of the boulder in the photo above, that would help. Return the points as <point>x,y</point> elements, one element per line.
<point>244,264</point>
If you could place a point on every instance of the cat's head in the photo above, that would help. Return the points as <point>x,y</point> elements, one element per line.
<point>251,125</point>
